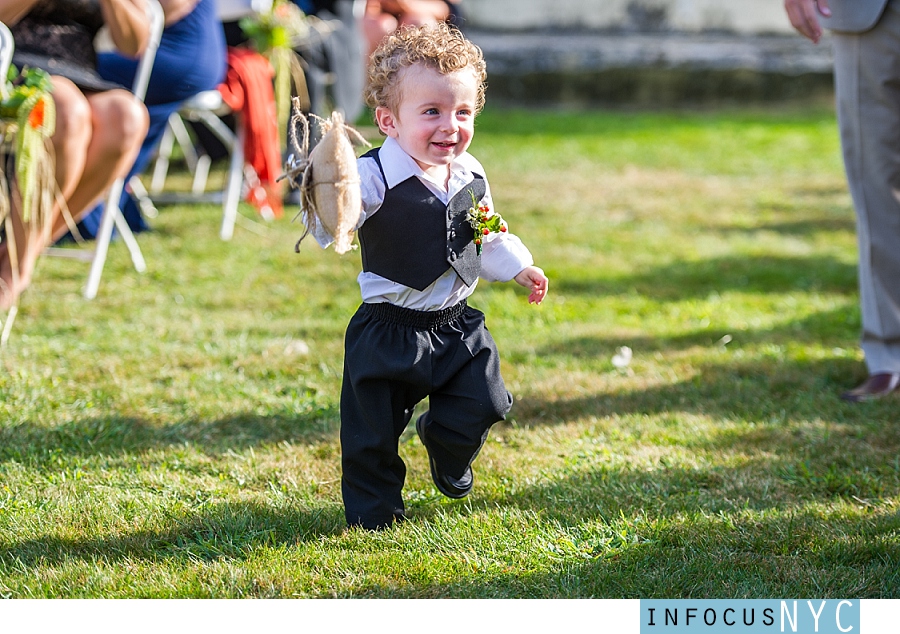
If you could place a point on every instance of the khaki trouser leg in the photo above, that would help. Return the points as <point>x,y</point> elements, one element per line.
<point>867,85</point>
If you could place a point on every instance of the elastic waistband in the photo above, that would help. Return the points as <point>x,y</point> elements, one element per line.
<point>417,319</point>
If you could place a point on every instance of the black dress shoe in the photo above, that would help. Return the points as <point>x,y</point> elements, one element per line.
<point>455,488</point>
<point>876,386</point>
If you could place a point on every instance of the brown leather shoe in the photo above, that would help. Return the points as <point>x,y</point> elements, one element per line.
<point>876,386</point>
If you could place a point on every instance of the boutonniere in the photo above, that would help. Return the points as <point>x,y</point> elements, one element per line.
<point>483,221</point>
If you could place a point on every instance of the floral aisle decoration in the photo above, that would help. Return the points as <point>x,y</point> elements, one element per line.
<point>484,222</point>
<point>27,121</point>
<point>275,34</point>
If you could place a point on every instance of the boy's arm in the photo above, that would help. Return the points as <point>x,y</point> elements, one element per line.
<point>533,278</point>
<point>504,257</point>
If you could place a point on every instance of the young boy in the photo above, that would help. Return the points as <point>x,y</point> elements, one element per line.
<point>414,335</point>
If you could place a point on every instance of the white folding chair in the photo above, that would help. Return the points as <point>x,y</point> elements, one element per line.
<point>112,213</point>
<point>206,108</point>
<point>6,52</point>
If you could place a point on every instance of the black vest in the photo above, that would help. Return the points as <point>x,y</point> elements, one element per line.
<point>413,238</point>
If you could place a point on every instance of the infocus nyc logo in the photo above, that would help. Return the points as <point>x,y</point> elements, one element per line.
<point>750,616</point>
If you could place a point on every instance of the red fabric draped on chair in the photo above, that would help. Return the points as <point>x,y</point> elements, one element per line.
<point>248,90</point>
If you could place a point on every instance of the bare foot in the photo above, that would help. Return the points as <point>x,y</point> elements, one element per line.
<point>14,280</point>
<point>6,297</point>
<point>7,294</point>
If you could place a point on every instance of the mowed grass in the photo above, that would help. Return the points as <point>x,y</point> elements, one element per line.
<point>178,435</point>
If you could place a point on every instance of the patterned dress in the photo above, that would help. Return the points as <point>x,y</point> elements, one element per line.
<point>58,36</point>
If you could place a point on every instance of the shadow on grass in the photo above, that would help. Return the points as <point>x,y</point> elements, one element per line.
<point>809,226</point>
<point>825,328</point>
<point>212,532</point>
<point>752,391</point>
<point>636,534</point>
<point>630,526</point>
<point>683,280</point>
<point>736,556</point>
<point>115,435</point>
<point>789,515</point>
<point>670,531</point>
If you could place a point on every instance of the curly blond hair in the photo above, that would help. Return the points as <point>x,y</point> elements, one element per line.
<point>440,47</point>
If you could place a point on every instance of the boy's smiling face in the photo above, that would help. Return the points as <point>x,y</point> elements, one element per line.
<point>434,119</point>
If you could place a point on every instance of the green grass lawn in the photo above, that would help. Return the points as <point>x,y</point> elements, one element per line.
<point>178,436</point>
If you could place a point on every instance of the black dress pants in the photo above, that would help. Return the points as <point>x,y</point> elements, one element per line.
<point>394,358</point>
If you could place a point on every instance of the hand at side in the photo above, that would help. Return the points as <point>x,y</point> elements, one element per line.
<point>533,278</point>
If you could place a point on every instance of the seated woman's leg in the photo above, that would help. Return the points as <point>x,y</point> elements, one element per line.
<point>119,125</point>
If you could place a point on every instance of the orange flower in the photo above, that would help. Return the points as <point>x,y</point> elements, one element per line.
<point>36,116</point>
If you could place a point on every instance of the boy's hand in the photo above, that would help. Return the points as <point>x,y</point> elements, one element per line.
<point>533,278</point>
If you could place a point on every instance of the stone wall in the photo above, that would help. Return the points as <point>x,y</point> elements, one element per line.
<point>745,17</point>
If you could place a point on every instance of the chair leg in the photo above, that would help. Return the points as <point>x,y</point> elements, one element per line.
<point>235,181</point>
<point>111,214</point>
<point>201,173</point>
<point>143,197</point>
<point>137,258</point>
<point>183,137</point>
<point>161,166</point>
<point>7,327</point>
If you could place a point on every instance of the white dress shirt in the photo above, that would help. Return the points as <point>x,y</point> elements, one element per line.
<point>503,255</point>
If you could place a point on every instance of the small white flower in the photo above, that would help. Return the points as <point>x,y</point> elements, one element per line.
<point>296,348</point>
<point>622,358</point>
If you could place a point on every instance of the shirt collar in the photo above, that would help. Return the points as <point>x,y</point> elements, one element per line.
<point>398,166</point>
